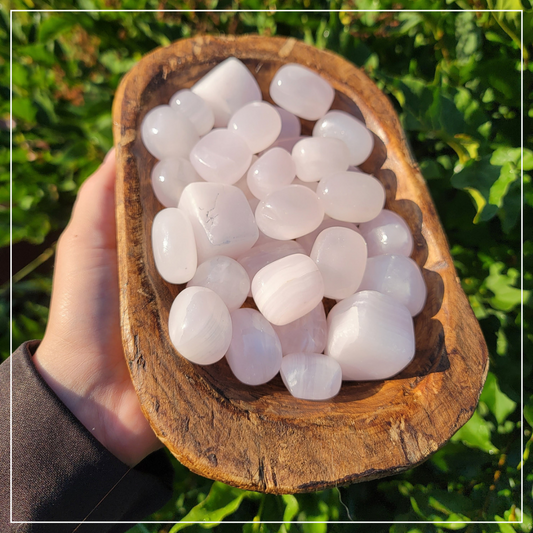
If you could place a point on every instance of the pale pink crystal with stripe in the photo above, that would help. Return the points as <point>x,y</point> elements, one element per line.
<point>311,376</point>
<point>254,354</point>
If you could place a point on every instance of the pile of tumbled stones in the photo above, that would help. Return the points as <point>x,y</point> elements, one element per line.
<point>253,208</point>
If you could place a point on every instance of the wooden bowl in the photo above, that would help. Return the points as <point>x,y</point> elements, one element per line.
<point>261,438</point>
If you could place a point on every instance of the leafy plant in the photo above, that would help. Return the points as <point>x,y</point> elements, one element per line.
<point>455,80</point>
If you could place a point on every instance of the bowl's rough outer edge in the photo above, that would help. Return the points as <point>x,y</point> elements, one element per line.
<point>242,440</point>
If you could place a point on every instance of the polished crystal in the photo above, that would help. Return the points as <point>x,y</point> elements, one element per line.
<point>221,218</point>
<point>311,376</point>
<point>224,276</point>
<point>371,335</point>
<point>254,354</point>
<point>199,325</point>
<point>288,289</point>
<point>399,277</point>
<point>340,254</point>
<point>173,245</point>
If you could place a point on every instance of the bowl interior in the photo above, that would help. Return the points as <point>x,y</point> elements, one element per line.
<point>194,409</point>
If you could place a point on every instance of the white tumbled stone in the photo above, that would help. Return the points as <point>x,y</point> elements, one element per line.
<point>226,88</point>
<point>195,109</point>
<point>317,157</point>
<point>221,218</point>
<point>301,91</point>
<point>371,335</point>
<point>258,123</point>
<point>352,131</point>
<point>340,254</point>
<point>351,196</point>
<point>289,213</point>
<point>173,245</point>
<point>199,325</point>
<point>262,255</point>
<point>288,289</point>
<point>274,170</point>
<point>224,276</point>
<point>254,354</point>
<point>221,156</point>
<point>166,132</point>
<point>308,240</point>
<point>307,334</point>
<point>311,376</point>
<point>170,176</point>
<point>388,233</point>
<point>290,124</point>
<point>397,276</point>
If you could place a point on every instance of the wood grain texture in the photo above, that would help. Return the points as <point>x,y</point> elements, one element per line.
<point>261,438</point>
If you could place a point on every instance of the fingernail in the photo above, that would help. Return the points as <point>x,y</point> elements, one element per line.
<point>109,154</point>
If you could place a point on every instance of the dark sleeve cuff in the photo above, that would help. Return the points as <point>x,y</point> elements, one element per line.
<point>60,471</point>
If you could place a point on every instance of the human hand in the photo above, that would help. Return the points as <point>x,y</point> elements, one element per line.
<point>81,355</point>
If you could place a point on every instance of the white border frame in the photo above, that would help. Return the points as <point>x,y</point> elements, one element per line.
<point>521,11</point>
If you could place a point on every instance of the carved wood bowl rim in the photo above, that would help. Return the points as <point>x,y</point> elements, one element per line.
<point>261,438</point>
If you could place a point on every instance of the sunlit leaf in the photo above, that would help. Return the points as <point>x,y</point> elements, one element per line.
<point>500,405</point>
<point>477,434</point>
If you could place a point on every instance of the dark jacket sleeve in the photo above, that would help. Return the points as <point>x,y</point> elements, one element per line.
<point>60,471</point>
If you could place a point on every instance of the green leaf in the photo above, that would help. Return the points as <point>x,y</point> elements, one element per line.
<point>528,411</point>
<point>499,404</point>
<point>505,154</point>
<point>54,26</point>
<point>476,434</point>
<point>38,53</point>
<point>467,34</point>
<point>24,108</point>
<point>477,178</point>
<point>221,501</point>
<point>506,296</point>
<point>499,188</point>
<point>504,528</point>
<point>291,507</point>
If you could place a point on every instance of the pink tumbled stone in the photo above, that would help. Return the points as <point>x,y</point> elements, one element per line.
<point>170,176</point>
<point>397,276</point>
<point>371,335</point>
<point>263,254</point>
<point>307,334</point>
<point>226,88</point>
<point>301,91</point>
<point>388,233</point>
<point>195,109</point>
<point>173,245</point>
<point>258,123</point>
<point>308,240</point>
<point>352,131</point>
<point>317,157</point>
<point>340,254</point>
<point>351,196</point>
<point>254,354</point>
<point>221,218</point>
<point>166,132</point>
<point>272,171</point>
<point>288,289</point>
<point>311,376</point>
<point>199,325</point>
<point>224,276</point>
<point>290,124</point>
<point>221,156</point>
<point>289,213</point>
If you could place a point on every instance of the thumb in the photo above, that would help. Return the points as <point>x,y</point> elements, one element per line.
<point>93,217</point>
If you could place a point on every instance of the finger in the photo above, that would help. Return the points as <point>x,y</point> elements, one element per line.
<point>93,218</point>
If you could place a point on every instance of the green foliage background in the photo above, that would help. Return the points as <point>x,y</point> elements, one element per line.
<point>455,81</point>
